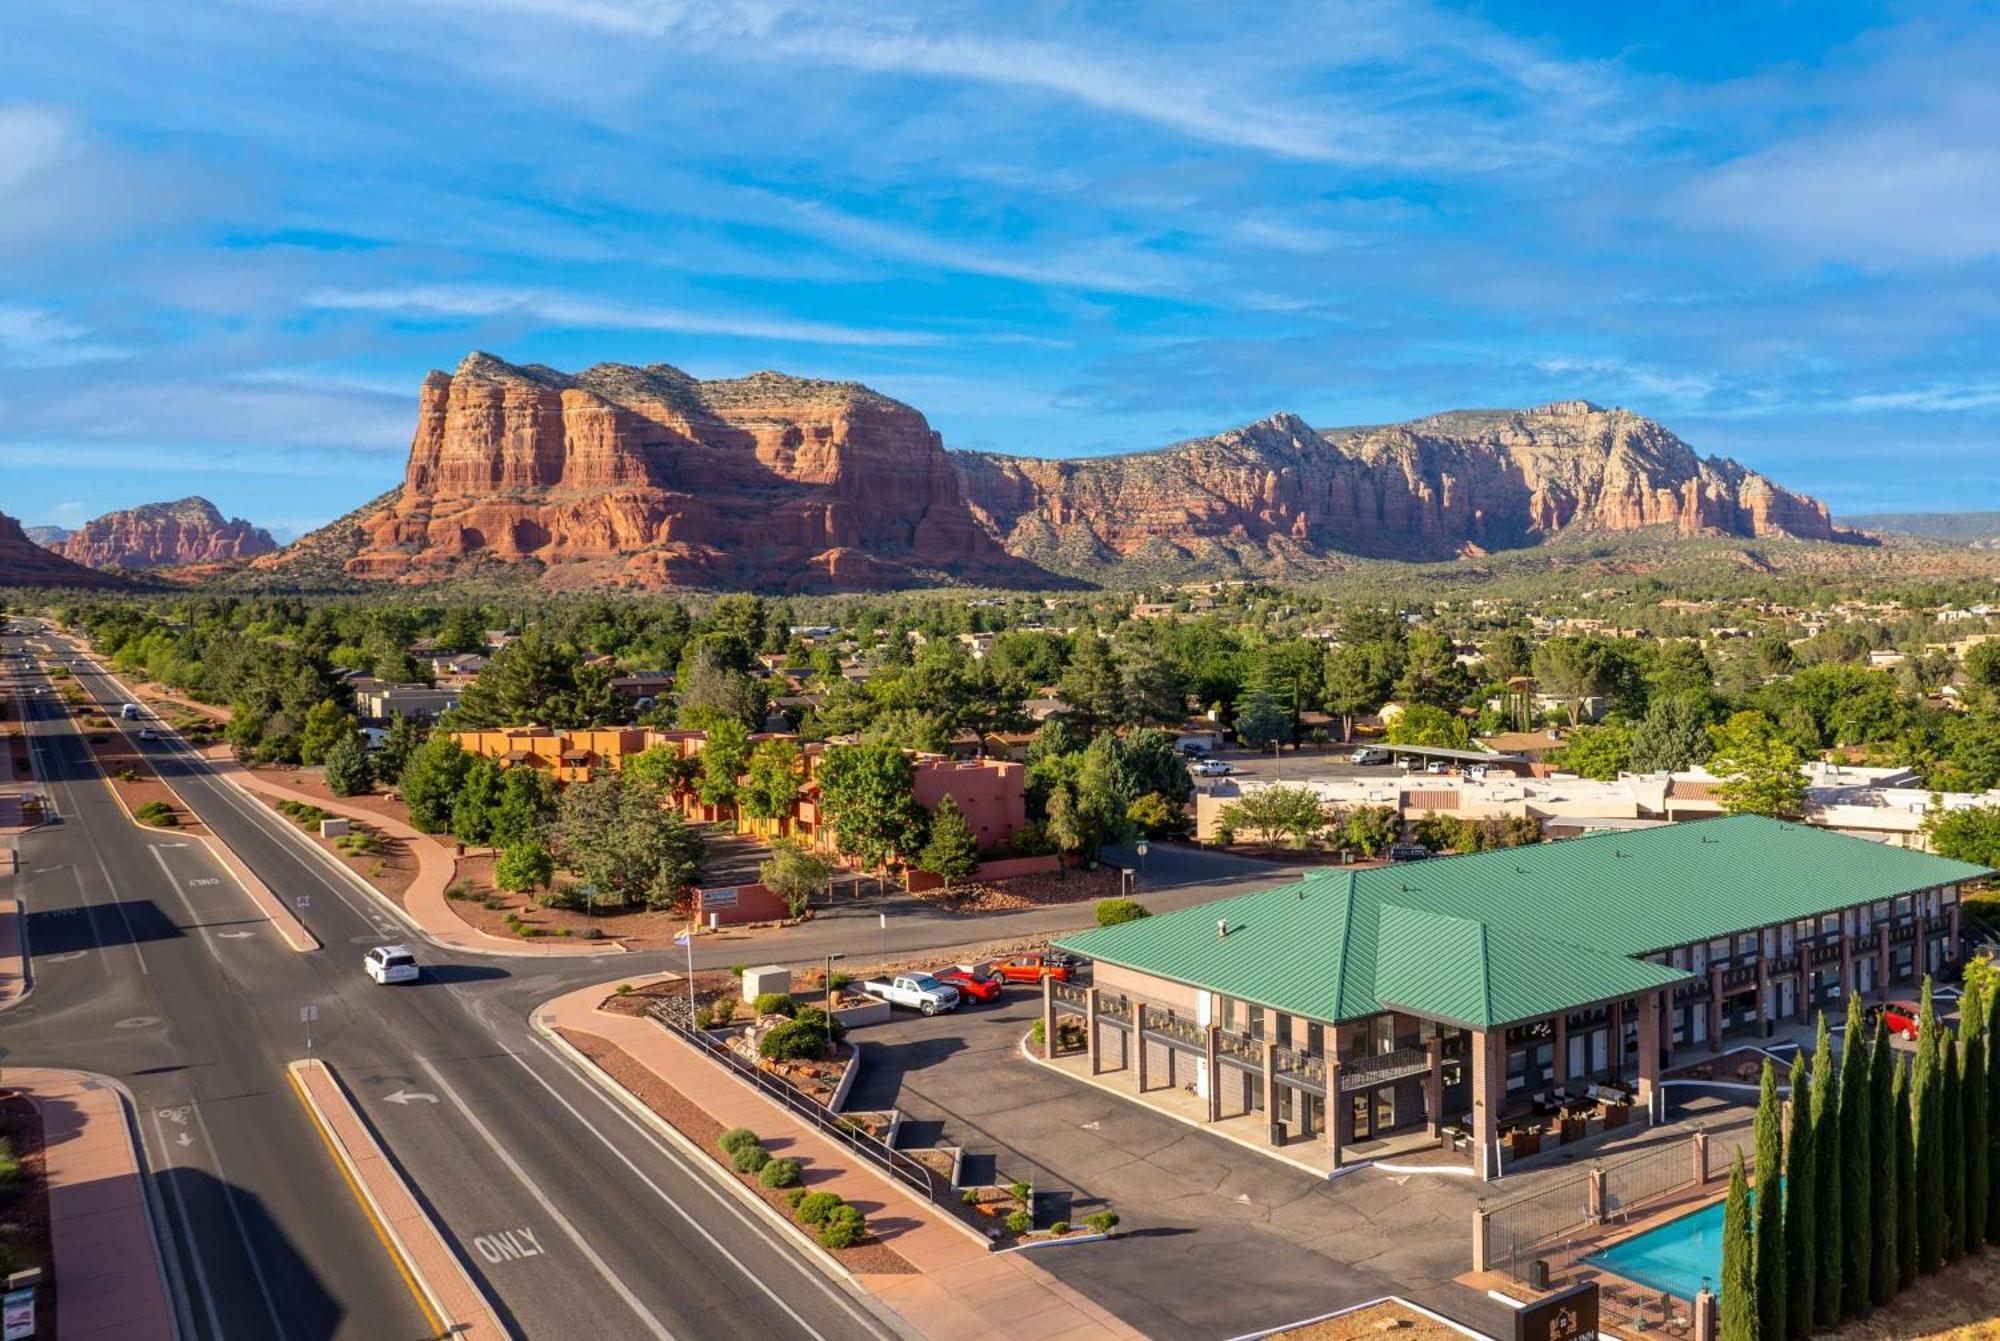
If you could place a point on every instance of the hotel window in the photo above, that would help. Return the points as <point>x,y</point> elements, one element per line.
<point>1864,920</point>
<point>1316,1040</point>
<point>1903,906</point>
<point>1284,1030</point>
<point>1700,959</point>
<point>1718,949</point>
<point>1829,924</point>
<point>1881,911</point>
<point>1382,1034</point>
<point>1746,945</point>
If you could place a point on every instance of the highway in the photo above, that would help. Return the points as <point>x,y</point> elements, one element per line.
<point>151,965</point>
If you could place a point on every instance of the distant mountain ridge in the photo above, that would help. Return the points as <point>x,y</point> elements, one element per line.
<point>1978,529</point>
<point>25,563</point>
<point>648,477</point>
<point>165,535</point>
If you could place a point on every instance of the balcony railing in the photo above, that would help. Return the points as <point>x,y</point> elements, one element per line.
<point>1300,1066</point>
<point>1115,1009</point>
<point>1384,1067</point>
<point>1177,1030</point>
<point>1241,1048</point>
<point>1069,994</point>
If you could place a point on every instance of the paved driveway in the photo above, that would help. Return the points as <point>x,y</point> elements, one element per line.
<point>1215,1240</point>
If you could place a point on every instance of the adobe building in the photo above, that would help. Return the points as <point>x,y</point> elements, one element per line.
<point>1482,1003</point>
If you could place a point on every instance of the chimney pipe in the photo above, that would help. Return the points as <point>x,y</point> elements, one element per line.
<point>1221,928</point>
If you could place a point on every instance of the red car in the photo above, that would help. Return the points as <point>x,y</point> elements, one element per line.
<point>970,987</point>
<point>1033,968</point>
<point>1901,1017</point>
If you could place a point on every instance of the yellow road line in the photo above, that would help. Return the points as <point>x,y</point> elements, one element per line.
<point>438,1325</point>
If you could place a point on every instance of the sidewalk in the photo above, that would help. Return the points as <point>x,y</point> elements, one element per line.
<point>424,902</point>
<point>108,1276</point>
<point>961,1288</point>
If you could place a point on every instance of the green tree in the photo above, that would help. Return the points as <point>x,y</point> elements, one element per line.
<point>1431,672</point>
<point>663,768</point>
<point>1740,1304</point>
<point>348,769</point>
<point>526,807</point>
<point>1357,680</point>
<point>1507,656</point>
<point>536,678</point>
<point>1370,830</point>
<point>1926,1087</point>
<point>1260,722</point>
<point>869,791</point>
<point>1769,1242</point>
<point>402,741</point>
<point>477,803</point>
<point>794,874</point>
<point>1890,1229</point>
<point>1067,826</point>
<point>710,690</point>
<point>1977,1132</point>
<point>723,757</point>
<point>620,843</point>
<point>951,852</point>
<point>1571,670</point>
<point>523,866</point>
<point>326,724</point>
<point>1991,1034</point>
<point>1827,1185</point>
<point>431,781</point>
<point>1801,1210</point>
<point>1951,1106</point>
<point>1601,752</point>
<point>770,787</point>
<point>1156,817</point>
<point>1673,735</point>
<point>1909,1248</point>
<point>1151,687</point>
<point>1971,833</point>
<point>1758,767</point>
<point>1277,812</point>
<point>1857,1162</point>
<point>1090,684</point>
<point>1103,792</point>
<point>1425,724</point>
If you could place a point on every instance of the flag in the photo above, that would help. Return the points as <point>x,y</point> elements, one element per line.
<point>685,938</point>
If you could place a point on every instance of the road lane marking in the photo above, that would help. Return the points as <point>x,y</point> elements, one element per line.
<point>508,1245</point>
<point>506,1156</point>
<point>187,1233</point>
<point>194,918</point>
<point>407,1097</point>
<point>236,1214</point>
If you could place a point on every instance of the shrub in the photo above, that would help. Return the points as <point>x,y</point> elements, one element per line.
<point>1103,1222</point>
<point>779,1173</point>
<point>749,1159</point>
<point>1020,1222</point>
<point>814,1208</point>
<point>1020,1192</point>
<point>738,970</point>
<point>792,1042</point>
<point>1110,912</point>
<point>723,1010</point>
<point>1040,1034</point>
<point>158,814</point>
<point>775,1003</point>
<point>813,1017</point>
<point>735,1138</point>
<point>458,890</point>
<point>623,989</point>
<point>838,981</point>
<point>844,1228</point>
<point>10,1164</point>
<point>794,1197</point>
<point>970,1196</point>
<point>1059,1227</point>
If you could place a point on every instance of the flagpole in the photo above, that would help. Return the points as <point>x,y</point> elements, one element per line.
<point>690,945</point>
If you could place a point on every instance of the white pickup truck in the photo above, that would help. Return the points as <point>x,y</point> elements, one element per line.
<point>917,991</point>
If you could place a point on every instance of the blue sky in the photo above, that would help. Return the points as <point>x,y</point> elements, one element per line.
<point>234,235</point>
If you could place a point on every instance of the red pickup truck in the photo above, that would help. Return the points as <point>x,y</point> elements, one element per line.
<point>1034,967</point>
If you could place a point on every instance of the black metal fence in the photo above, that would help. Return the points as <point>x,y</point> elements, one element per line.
<point>675,1017</point>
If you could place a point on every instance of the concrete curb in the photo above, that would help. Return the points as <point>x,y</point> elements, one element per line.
<point>450,1298</point>
<point>1063,1242</point>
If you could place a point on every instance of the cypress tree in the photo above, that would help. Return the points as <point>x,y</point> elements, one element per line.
<point>1857,1166</point>
<point>1972,1085</point>
<point>1991,1034</point>
<point>1951,1106</point>
<point>1801,1206</point>
<point>1883,1070</point>
<point>1927,1199</point>
<point>1906,1176</point>
<point>1739,1267</point>
<point>1769,1212</point>
<point>1826,1181</point>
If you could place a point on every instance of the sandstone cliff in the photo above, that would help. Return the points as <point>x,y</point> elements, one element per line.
<point>1279,495</point>
<point>165,535</point>
<point>24,563</point>
<point>650,477</point>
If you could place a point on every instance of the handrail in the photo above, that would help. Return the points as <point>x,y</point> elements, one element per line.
<point>673,1015</point>
<point>1366,1070</point>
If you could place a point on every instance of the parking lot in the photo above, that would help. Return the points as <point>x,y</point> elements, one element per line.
<point>1215,1240</point>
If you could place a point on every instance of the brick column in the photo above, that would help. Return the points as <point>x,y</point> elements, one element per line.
<point>1434,1089</point>
<point>1649,1050</point>
<point>1048,1016</point>
<point>1139,1042</point>
<point>1698,1151</point>
<point>1211,1052</point>
<point>1846,959</point>
<point>1805,984</point>
<point>1489,1088</point>
<point>1951,946</point>
<point>1882,955</point>
<point>1273,1132</point>
<point>1562,1048</point>
<point>1764,1011</point>
<point>1714,1008</point>
<point>1091,1044</point>
<point>1333,1141</point>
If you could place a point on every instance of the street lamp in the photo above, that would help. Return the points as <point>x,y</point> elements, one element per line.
<point>828,1000</point>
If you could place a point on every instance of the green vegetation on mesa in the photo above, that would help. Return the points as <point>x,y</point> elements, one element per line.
<point>1888,1172</point>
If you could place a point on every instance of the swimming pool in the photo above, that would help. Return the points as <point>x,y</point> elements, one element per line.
<point>1674,1257</point>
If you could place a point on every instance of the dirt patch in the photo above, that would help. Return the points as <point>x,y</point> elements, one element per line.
<point>1740,1065</point>
<point>133,778</point>
<point>1384,1319</point>
<point>480,905</point>
<point>869,1258</point>
<point>1959,1303</point>
<point>24,1203</point>
<point>312,782</point>
<point>1025,891</point>
<point>384,861</point>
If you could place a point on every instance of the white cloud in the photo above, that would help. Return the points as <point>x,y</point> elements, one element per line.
<point>33,337</point>
<point>32,140</point>
<point>477,302</point>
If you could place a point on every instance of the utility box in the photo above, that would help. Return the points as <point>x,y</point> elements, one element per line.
<point>333,828</point>
<point>769,978</point>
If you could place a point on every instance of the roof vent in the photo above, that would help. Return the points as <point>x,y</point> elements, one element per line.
<point>1221,928</point>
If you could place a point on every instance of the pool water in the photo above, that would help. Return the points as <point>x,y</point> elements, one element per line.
<point>1675,1257</point>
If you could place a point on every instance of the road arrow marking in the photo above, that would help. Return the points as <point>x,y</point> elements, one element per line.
<point>184,1140</point>
<point>170,845</point>
<point>407,1097</point>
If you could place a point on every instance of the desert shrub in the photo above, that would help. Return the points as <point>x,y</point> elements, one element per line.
<point>622,989</point>
<point>1059,1227</point>
<point>794,1197</point>
<point>738,970</point>
<point>749,1159</point>
<point>815,1207</point>
<point>844,1228</point>
<point>1020,1222</point>
<point>779,1173</point>
<point>1110,912</point>
<point>158,814</point>
<point>1103,1222</point>
<point>10,1164</point>
<point>792,1042</point>
<point>723,1009</point>
<point>813,1017</point>
<point>775,1003</point>
<point>970,1196</point>
<point>458,890</point>
<point>1040,1034</point>
<point>1020,1191</point>
<point>735,1138</point>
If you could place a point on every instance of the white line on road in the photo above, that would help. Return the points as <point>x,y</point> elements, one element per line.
<point>187,1232</point>
<point>236,1214</point>
<point>611,1278</point>
<point>194,918</point>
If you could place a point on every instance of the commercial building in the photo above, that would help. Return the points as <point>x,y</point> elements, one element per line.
<point>1469,1002</point>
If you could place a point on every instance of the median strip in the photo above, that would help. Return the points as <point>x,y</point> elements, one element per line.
<point>444,1290</point>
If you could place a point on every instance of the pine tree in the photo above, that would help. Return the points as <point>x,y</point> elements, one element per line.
<point>1739,1267</point>
<point>1826,1181</point>
<point>1951,1107</point>
<point>951,852</point>
<point>1992,1035</point>
<point>1769,1213</point>
<point>1907,1247</point>
<point>1883,1075</point>
<point>1978,1134</point>
<point>1801,1210</point>
<point>1927,1199</point>
<point>1857,1163</point>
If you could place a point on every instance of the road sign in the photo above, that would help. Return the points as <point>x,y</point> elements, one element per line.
<point>19,1314</point>
<point>1569,1316</point>
<point>303,901</point>
<point>307,1014</point>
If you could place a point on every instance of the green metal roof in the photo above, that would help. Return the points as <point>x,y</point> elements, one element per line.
<point>1496,937</point>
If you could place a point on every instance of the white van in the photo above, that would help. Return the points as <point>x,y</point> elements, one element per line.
<point>390,964</point>
<point>131,712</point>
<point>1369,754</point>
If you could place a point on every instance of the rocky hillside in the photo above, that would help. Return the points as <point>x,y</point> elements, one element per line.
<point>648,477</point>
<point>1279,496</point>
<point>48,537</point>
<point>26,564</point>
<point>165,535</point>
